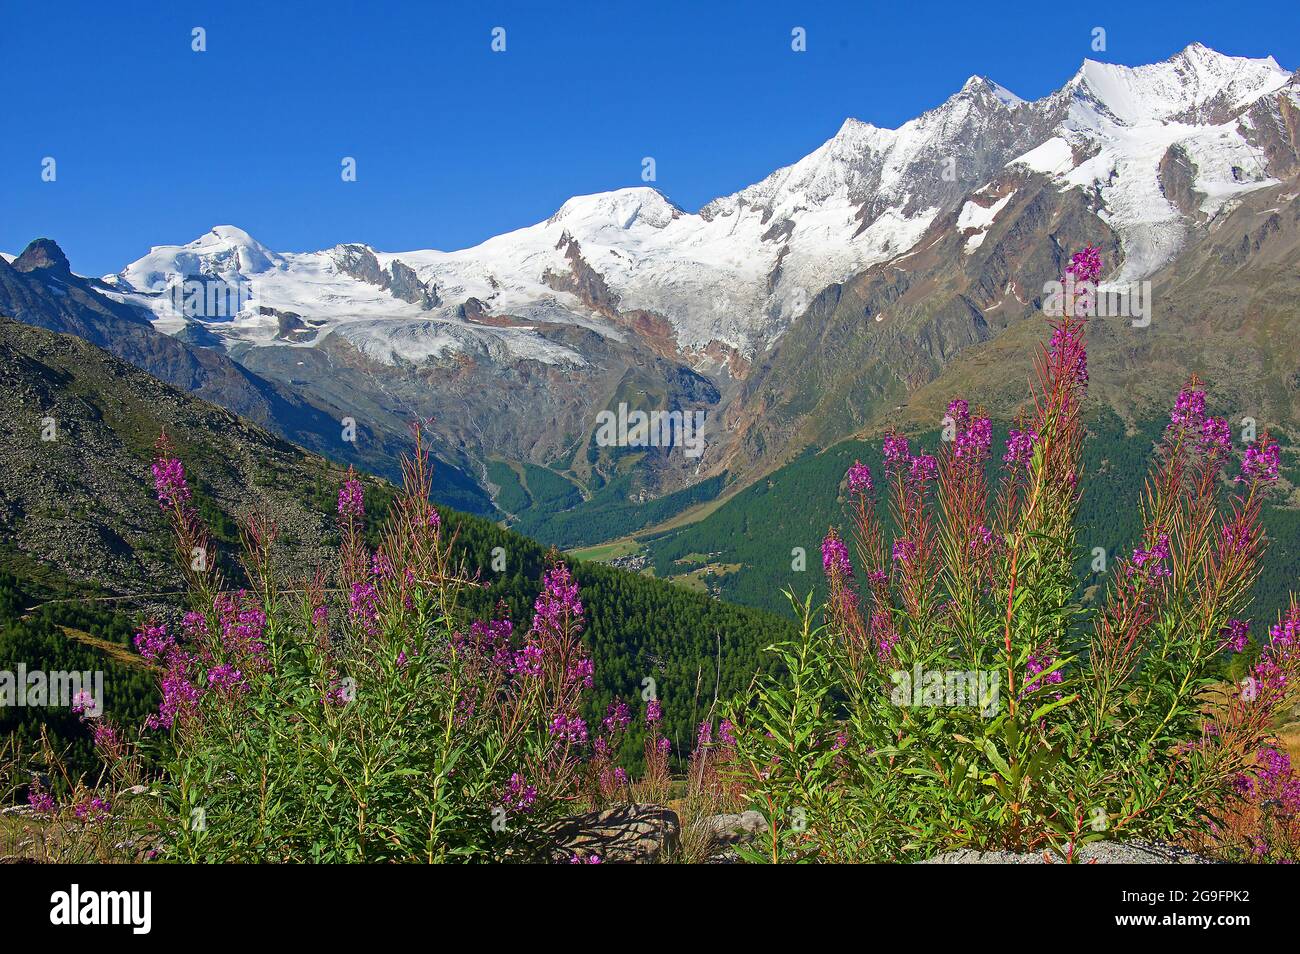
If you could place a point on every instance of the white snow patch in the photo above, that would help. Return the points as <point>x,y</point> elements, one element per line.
<point>1053,157</point>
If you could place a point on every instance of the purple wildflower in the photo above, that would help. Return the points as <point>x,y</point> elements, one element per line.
<point>352,501</point>
<point>1235,635</point>
<point>519,795</point>
<point>835,557</point>
<point>897,452</point>
<point>859,477</point>
<point>1020,448</point>
<point>1260,464</point>
<point>569,729</point>
<point>169,483</point>
<point>41,801</point>
<point>558,602</point>
<point>363,605</point>
<point>617,716</point>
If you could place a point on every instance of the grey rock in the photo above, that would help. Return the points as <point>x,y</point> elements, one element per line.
<point>729,830</point>
<point>632,833</point>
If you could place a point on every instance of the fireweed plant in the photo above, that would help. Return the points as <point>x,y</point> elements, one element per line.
<point>957,694</point>
<point>368,720</point>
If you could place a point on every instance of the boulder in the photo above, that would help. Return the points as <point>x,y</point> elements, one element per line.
<point>634,833</point>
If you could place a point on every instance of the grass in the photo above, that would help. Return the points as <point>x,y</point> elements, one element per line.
<point>604,552</point>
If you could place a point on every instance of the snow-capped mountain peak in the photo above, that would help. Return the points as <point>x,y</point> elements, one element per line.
<point>982,84</point>
<point>733,276</point>
<point>620,209</point>
<point>1196,85</point>
<point>223,252</point>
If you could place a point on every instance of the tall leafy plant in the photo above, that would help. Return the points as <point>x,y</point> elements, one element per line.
<point>957,694</point>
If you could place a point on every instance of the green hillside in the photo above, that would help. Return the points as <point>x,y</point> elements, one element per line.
<point>793,507</point>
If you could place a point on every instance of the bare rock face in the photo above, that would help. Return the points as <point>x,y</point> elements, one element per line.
<point>630,834</point>
<point>399,280</point>
<point>731,830</point>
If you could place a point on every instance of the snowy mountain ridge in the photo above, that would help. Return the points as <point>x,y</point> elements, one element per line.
<point>730,278</point>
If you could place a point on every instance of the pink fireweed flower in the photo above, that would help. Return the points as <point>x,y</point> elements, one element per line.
<point>194,626</point>
<point>1154,559</point>
<point>1260,465</point>
<point>653,712</point>
<point>569,729</point>
<point>106,736</point>
<point>491,641</point>
<point>169,483</point>
<point>1235,635</point>
<point>95,809</point>
<point>527,661</point>
<point>1034,666</point>
<point>1085,265</point>
<point>897,452</point>
<point>363,606</point>
<point>705,734</point>
<point>83,703</point>
<point>1020,448</point>
<point>924,467</point>
<point>1189,411</point>
<point>381,566</point>
<point>580,672</point>
<point>352,499</point>
<point>180,697</point>
<point>1271,781</point>
<point>617,717</point>
<point>558,602</point>
<point>226,678</point>
<point>859,477</point>
<point>1236,538</point>
<point>904,550</point>
<point>1067,347</point>
<point>882,633</point>
<point>835,557</point>
<point>1216,437</point>
<point>959,411</point>
<point>434,521</point>
<point>154,642</point>
<point>974,441</point>
<point>42,802</point>
<point>339,692</point>
<point>243,627</point>
<point>519,795</point>
<point>726,732</point>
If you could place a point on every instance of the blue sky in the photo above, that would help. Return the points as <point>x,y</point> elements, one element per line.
<point>155,143</point>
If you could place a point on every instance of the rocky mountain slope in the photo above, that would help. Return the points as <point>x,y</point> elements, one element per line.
<point>39,288</point>
<point>78,428</point>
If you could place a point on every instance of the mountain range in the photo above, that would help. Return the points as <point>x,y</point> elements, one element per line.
<point>857,288</point>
